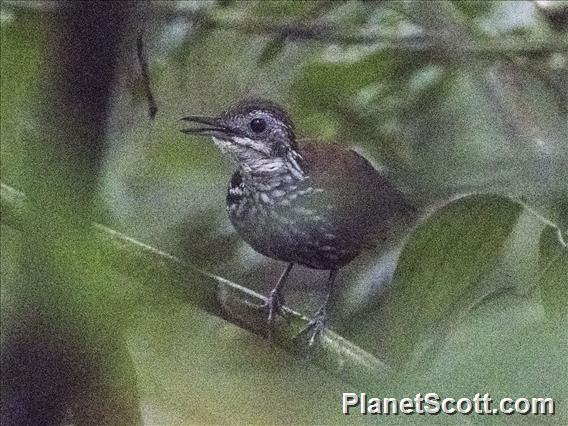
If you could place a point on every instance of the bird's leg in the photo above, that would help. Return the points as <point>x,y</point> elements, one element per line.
<point>317,325</point>
<point>275,300</point>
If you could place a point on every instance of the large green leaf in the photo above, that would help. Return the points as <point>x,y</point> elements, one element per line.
<point>504,347</point>
<point>553,280</point>
<point>440,269</point>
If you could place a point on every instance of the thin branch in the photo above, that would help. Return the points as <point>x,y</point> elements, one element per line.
<point>216,296</point>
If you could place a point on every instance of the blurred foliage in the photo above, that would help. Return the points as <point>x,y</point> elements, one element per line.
<point>478,302</point>
<point>468,233</point>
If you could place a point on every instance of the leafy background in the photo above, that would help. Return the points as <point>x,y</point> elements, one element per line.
<point>447,98</point>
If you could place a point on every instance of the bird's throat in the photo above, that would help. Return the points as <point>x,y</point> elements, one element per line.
<point>268,174</point>
<point>260,170</point>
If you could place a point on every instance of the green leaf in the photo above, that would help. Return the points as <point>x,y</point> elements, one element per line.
<point>283,9</point>
<point>504,347</point>
<point>272,49</point>
<point>440,269</point>
<point>553,281</point>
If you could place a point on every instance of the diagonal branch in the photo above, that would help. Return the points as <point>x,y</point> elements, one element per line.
<point>216,296</point>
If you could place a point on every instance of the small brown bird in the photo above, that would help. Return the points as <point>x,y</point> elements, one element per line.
<point>299,201</point>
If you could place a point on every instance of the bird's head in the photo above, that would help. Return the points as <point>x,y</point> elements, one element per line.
<point>255,133</point>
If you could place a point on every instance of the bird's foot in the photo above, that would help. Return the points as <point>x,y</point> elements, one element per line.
<point>274,306</point>
<point>315,327</point>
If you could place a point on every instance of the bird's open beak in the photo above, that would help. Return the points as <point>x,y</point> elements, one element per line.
<point>212,126</point>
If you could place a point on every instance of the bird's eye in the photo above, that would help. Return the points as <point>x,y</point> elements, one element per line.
<point>258,125</point>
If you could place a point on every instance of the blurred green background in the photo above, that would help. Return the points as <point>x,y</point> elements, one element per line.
<point>448,98</point>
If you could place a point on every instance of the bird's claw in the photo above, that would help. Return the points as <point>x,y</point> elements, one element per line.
<point>315,328</point>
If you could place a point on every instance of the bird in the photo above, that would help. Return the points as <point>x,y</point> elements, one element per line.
<point>299,201</point>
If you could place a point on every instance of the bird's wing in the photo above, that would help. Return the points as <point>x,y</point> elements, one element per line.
<point>361,203</point>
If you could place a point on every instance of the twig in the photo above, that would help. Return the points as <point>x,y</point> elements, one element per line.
<point>152,107</point>
<point>216,296</point>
